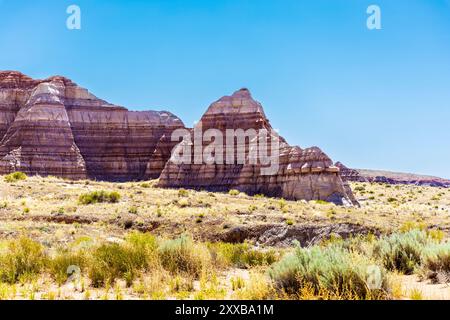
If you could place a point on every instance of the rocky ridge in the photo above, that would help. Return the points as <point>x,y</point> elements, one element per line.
<point>302,174</point>
<point>403,178</point>
<point>388,177</point>
<point>348,174</point>
<point>54,127</point>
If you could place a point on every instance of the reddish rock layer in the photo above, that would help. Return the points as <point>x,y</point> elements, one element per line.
<point>302,174</point>
<point>348,174</point>
<point>403,178</point>
<point>118,144</point>
<point>380,176</point>
<point>54,127</point>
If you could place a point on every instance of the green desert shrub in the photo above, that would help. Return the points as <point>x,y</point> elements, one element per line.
<point>412,225</point>
<point>133,210</point>
<point>183,203</point>
<point>436,235</point>
<point>99,197</point>
<point>330,271</point>
<point>233,192</point>
<point>60,265</point>
<point>144,248</point>
<point>240,255</point>
<point>183,256</point>
<point>112,261</point>
<point>183,193</point>
<point>322,202</point>
<point>436,263</point>
<point>109,262</point>
<point>401,252</point>
<point>258,287</point>
<point>15,176</point>
<point>21,257</point>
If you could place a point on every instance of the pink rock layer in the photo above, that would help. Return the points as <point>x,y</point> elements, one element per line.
<point>54,127</point>
<point>348,174</point>
<point>302,174</point>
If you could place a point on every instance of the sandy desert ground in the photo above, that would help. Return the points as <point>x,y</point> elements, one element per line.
<point>135,241</point>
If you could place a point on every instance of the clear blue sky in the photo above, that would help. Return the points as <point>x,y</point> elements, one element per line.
<point>371,99</point>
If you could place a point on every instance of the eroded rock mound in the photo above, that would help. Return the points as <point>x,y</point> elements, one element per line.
<point>300,173</point>
<point>388,177</point>
<point>54,127</point>
<point>285,236</point>
<point>348,174</point>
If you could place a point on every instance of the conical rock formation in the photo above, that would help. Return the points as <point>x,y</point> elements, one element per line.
<point>299,173</point>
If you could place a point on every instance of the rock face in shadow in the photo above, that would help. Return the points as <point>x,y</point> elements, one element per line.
<point>54,127</point>
<point>301,173</point>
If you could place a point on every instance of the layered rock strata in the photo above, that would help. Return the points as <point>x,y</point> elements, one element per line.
<point>388,177</point>
<point>54,127</point>
<point>301,173</point>
<point>348,174</point>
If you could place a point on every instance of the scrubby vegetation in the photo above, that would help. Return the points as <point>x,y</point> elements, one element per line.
<point>104,263</point>
<point>99,197</point>
<point>330,272</point>
<point>241,255</point>
<point>357,268</point>
<point>402,252</point>
<point>436,263</point>
<point>15,176</point>
<point>233,192</point>
<point>20,259</point>
<point>59,266</point>
<point>84,242</point>
<point>183,256</point>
